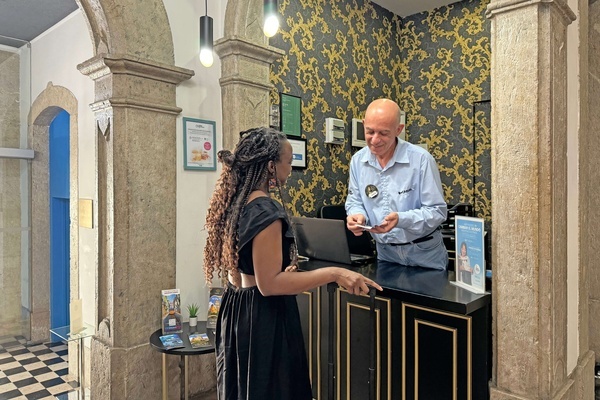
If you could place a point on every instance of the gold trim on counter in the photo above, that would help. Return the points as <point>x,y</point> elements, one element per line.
<point>310,333</point>
<point>387,302</point>
<point>455,350</point>
<point>454,354</point>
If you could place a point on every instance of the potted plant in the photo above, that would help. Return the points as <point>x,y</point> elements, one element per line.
<point>193,311</point>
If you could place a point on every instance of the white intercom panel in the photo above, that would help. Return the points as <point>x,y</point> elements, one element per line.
<point>335,131</point>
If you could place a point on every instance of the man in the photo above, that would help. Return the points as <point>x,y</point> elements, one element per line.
<point>395,188</point>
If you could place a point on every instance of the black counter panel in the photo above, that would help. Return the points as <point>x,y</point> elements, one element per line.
<point>432,337</point>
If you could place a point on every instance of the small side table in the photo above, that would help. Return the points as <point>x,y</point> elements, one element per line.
<point>183,352</point>
<point>65,334</point>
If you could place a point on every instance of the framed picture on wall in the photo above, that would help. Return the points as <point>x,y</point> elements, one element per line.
<point>199,150</point>
<point>290,114</point>
<point>299,152</point>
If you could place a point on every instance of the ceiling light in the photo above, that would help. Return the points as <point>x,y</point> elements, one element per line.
<point>206,39</point>
<point>271,23</point>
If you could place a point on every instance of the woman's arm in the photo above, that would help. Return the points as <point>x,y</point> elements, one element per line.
<point>271,281</point>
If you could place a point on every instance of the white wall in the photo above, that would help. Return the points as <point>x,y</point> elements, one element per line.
<point>200,97</point>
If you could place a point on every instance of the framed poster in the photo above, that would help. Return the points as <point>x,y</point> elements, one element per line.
<point>470,255</point>
<point>199,150</point>
<point>298,151</point>
<point>290,114</point>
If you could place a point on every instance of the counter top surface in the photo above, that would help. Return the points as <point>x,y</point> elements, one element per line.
<point>420,285</point>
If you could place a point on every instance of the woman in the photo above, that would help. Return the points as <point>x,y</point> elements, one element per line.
<point>464,265</point>
<point>259,343</point>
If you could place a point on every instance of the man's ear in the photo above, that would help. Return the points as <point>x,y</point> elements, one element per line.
<point>400,128</point>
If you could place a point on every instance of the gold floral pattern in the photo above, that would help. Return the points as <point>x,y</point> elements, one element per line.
<point>341,55</point>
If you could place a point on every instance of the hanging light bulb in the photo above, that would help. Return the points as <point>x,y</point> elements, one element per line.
<point>271,24</point>
<point>206,40</point>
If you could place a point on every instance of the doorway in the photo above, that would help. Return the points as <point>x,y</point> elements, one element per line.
<point>59,202</point>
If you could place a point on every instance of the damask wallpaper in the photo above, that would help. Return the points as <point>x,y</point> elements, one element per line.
<point>341,55</point>
<point>446,80</point>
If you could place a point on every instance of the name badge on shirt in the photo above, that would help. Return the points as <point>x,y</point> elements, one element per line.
<point>371,191</point>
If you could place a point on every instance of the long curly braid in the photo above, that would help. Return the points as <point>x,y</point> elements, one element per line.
<point>244,171</point>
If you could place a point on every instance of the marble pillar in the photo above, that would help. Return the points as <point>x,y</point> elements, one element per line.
<point>529,170</point>
<point>10,198</point>
<point>245,86</point>
<point>246,60</point>
<point>136,172</point>
<point>591,152</point>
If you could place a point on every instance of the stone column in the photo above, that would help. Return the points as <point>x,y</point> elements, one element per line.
<point>10,203</point>
<point>245,85</point>
<point>135,127</point>
<point>529,197</point>
<point>590,152</point>
<point>588,65</point>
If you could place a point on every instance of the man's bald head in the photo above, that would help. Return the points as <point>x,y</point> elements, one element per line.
<point>384,107</point>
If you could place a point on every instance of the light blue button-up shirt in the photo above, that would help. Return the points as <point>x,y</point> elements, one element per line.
<point>409,185</point>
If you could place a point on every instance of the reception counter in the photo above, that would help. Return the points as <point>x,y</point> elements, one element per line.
<point>432,338</point>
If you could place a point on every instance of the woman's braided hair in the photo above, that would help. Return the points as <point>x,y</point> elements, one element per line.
<point>244,171</point>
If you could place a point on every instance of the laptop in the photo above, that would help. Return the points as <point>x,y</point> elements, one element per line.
<point>325,239</point>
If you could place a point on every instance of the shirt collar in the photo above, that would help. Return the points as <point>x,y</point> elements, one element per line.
<point>400,154</point>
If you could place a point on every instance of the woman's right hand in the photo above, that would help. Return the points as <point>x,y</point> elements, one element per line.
<point>354,282</point>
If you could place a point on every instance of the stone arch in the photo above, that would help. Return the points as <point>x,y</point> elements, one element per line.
<point>43,110</point>
<point>135,28</point>
<point>243,19</point>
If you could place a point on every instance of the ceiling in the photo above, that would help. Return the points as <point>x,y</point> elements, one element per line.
<point>27,19</point>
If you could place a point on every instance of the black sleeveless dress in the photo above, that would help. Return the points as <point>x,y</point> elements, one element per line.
<point>259,342</point>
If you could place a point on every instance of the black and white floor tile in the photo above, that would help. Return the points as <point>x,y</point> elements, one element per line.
<point>35,371</point>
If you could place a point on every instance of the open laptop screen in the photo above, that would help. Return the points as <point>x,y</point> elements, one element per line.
<point>325,239</point>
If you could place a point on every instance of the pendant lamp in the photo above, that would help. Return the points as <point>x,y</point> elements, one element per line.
<point>271,23</point>
<point>206,38</point>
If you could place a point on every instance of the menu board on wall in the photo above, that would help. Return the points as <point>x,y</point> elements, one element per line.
<point>290,114</point>
<point>199,144</point>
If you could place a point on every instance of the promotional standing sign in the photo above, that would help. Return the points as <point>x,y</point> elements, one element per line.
<point>470,255</point>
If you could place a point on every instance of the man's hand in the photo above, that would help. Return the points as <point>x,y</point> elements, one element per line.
<point>389,223</point>
<point>353,220</point>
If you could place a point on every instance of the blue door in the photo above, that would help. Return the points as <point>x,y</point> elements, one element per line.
<point>59,221</point>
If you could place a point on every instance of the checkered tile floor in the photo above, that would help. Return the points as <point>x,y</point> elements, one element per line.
<point>34,372</point>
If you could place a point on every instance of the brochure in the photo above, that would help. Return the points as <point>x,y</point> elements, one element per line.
<point>214,303</point>
<point>172,320</point>
<point>172,341</point>
<point>198,340</point>
<point>470,255</point>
